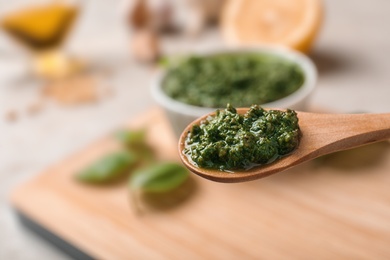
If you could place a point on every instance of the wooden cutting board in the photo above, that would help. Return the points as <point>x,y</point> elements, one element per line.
<point>335,207</point>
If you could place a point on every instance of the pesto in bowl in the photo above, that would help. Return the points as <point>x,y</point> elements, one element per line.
<point>229,141</point>
<point>241,79</point>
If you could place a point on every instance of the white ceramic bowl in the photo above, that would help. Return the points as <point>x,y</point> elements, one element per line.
<point>181,114</point>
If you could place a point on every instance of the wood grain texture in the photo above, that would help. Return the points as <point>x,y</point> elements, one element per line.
<point>336,207</point>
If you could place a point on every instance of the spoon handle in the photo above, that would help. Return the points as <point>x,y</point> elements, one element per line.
<point>335,132</point>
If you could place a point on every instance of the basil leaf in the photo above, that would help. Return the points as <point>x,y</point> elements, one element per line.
<point>108,168</point>
<point>131,137</point>
<point>135,141</point>
<point>160,177</point>
<point>163,62</point>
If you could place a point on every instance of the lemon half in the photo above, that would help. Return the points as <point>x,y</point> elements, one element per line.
<point>291,23</point>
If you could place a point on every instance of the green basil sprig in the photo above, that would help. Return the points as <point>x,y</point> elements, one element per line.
<point>135,140</point>
<point>108,168</point>
<point>131,138</point>
<point>161,177</point>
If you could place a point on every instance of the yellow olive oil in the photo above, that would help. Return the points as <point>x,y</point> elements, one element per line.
<point>40,27</point>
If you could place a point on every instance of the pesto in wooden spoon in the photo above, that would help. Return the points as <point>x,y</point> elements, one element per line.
<point>320,134</point>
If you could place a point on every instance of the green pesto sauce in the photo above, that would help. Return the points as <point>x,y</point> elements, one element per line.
<point>229,141</point>
<point>241,79</point>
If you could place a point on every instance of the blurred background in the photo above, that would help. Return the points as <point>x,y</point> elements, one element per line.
<point>73,71</point>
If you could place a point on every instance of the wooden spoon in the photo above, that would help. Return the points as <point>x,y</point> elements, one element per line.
<point>321,134</point>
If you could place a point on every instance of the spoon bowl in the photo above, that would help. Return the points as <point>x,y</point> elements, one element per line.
<point>320,134</point>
